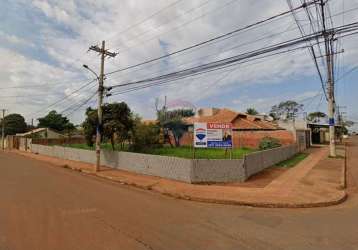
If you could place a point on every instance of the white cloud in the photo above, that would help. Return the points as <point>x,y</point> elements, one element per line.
<point>87,22</point>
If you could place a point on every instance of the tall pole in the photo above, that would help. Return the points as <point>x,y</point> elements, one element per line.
<point>100,101</point>
<point>3,130</point>
<point>103,52</point>
<point>328,39</point>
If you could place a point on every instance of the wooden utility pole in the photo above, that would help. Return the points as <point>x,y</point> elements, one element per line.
<point>3,130</point>
<point>328,41</point>
<point>103,52</point>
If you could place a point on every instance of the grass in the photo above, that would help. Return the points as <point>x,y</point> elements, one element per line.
<point>202,153</point>
<point>107,146</point>
<point>289,163</point>
<point>183,152</point>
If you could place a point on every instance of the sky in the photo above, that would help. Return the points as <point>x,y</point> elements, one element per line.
<point>44,43</point>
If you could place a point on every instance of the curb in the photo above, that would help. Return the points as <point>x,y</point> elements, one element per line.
<point>341,199</point>
<point>263,204</point>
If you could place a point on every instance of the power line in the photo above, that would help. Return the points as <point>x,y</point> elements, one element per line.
<point>164,81</point>
<point>222,51</point>
<point>345,74</point>
<point>65,98</point>
<point>146,19</point>
<point>78,105</point>
<point>172,19</point>
<point>182,25</point>
<point>310,49</point>
<point>242,44</point>
<point>214,39</point>
<point>229,61</point>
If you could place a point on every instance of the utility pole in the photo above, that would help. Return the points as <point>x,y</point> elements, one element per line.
<point>3,130</point>
<point>103,52</point>
<point>328,41</point>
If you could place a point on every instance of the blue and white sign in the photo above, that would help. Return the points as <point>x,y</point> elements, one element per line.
<point>213,135</point>
<point>200,135</point>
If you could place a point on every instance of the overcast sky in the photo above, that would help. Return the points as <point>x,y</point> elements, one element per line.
<point>44,43</point>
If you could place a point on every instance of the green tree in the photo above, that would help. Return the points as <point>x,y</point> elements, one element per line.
<point>252,111</point>
<point>54,120</point>
<point>285,110</point>
<point>90,125</point>
<point>173,121</point>
<point>145,136</point>
<point>14,124</point>
<point>316,116</point>
<point>117,123</point>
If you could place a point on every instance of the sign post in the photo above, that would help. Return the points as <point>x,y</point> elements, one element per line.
<point>213,135</point>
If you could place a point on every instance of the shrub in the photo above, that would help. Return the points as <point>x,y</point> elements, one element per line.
<point>268,143</point>
<point>145,137</point>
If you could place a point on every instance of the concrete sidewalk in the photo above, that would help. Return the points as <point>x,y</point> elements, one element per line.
<point>316,181</point>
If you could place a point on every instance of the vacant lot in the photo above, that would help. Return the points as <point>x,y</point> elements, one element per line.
<point>183,152</point>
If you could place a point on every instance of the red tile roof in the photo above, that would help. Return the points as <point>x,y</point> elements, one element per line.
<point>239,120</point>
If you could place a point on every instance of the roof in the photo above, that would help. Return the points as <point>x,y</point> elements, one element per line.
<point>37,130</point>
<point>223,115</point>
<point>324,125</point>
<point>239,120</point>
<point>149,122</point>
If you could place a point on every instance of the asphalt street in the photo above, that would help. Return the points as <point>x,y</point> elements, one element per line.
<point>46,207</point>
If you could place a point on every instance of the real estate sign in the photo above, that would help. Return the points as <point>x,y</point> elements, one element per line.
<point>212,135</point>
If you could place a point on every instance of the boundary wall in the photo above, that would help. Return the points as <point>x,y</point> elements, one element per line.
<point>186,170</point>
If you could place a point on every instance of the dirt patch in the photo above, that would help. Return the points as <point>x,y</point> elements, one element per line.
<point>259,180</point>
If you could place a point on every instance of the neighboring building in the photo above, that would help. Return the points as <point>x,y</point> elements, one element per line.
<point>42,133</point>
<point>316,133</point>
<point>248,130</point>
<point>320,132</point>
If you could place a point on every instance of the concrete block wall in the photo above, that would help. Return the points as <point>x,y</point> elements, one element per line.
<point>155,165</point>
<point>186,170</point>
<point>258,161</point>
<point>209,171</point>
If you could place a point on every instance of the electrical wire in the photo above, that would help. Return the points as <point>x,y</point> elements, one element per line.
<point>212,39</point>
<point>164,81</point>
<point>163,24</point>
<point>78,106</point>
<point>310,49</point>
<point>179,26</point>
<point>146,19</point>
<point>64,98</point>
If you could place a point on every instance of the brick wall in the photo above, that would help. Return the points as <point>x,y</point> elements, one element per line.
<point>250,139</point>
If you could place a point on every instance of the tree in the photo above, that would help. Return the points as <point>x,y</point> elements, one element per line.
<point>285,110</point>
<point>90,125</point>
<point>173,121</point>
<point>252,111</point>
<point>54,120</point>
<point>316,116</point>
<point>145,136</point>
<point>14,124</point>
<point>117,123</point>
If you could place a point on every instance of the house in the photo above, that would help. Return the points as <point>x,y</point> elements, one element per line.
<point>320,132</point>
<point>248,130</point>
<point>42,133</point>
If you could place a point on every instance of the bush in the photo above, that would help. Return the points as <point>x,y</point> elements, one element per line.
<point>268,143</point>
<point>145,137</point>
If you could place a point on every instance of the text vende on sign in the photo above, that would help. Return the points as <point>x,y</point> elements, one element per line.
<point>215,125</point>
<point>213,135</point>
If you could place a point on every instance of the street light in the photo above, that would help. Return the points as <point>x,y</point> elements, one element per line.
<point>99,110</point>
<point>89,69</point>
